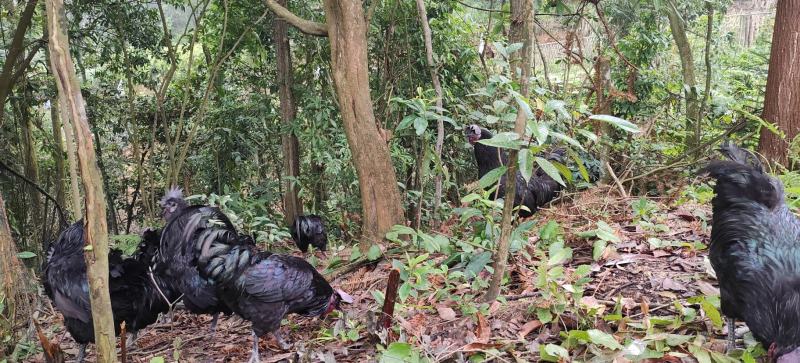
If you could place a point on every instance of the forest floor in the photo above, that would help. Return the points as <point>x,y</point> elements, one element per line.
<point>648,281</point>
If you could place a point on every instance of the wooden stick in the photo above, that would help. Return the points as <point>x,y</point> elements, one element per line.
<point>123,342</point>
<point>390,298</point>
<point>52,352</point>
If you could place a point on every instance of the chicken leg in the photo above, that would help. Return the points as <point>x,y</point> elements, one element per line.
<point>731,334</point>
<point>214,321</point>
<point>254,355</point>
<point>81,353</point>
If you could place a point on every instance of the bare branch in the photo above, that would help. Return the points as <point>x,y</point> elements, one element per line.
<point>306,26</point>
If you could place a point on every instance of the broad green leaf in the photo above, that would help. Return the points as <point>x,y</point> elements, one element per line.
<point>374,252</point>
<point>604,339</point>
<point>26,254</point>
<point>505,140</point>
<point>157,360</point>
<point>616,121</point>
<point>699,353</point>
<point>599,247</point>
<point>525,164</point>
<point>396,352</point>
<point>491,120</point>
<point>550,170</point>
<point>712,313</point>
<point>588,134</point>
<point>406,123</point>
<point>420,125</point>
<point>567,139</point>
<point>544,315</point>
<point>563,170</point>
<point>556,351</point>
<point>492,177</point>
<point>478,262</point>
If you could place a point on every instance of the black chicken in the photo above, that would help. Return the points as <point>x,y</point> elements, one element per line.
<point>309,230</point>
<point>755,253</point>
<point>540,189</point>
<point>177,258</point>
<point>135,299</point>
<point>258,286</point>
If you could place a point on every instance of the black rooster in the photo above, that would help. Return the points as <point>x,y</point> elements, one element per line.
<point>177,258</point>
<point>755,252</point>
<point>538,191</point>
<point>309,230</point>
<point>135,299</point>
<point>258,286</point>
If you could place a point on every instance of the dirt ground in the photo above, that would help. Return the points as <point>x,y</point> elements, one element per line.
<point>647,280</point>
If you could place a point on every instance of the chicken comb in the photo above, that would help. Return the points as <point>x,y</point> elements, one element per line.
<point>173,193</point>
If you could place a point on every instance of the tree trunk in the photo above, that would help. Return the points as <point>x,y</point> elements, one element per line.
<point>521,31</point>
<point>111,212</point>
<point>95,227</point>
<point>12,276</point>
<point>58,154</point>
<point>31,169</point>
<point>437,86</point>
<point>292,206</point>
<point>14,51</point>
<point>678,31</point>
<point>380,197</point>
<point>782,99</point>
<point>69,131</point>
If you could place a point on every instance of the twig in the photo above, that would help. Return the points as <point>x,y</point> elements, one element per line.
<point>46,195</point>
<point>520,297</point>
<point>616,180</point>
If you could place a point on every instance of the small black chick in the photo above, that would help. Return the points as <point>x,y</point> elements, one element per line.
<point>309,230</point>
<point>755,252</point>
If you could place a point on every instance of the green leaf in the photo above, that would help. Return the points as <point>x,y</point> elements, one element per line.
<point>420,125</point>
<point>157,360</point>
<point>26,254</point>
<point>747,357</point>
<point>553,350</point>
<point>567,139</point>
<point>406,123</point>
<point>712,313</point>
<point>404,291</point>
<point>579,162</point>
<point>604,339</point>
<point>550,170</point>
<point>374,252</point>
<point>588,134</point>
<point>616,121</point>
<point>492,177</point>
<point>525,164</point>
<point>504,140</point>
<point>699,353</point>
<point>396,352</point>
<point>599,247</point>
<point>477,263</point>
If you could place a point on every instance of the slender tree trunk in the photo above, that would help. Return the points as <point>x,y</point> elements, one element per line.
<point>11,272</point>
<point>678,30</point>
<point>69,131</point>
<point>346,29</point>
<point>58,154</point>
<point>111,213</point>
<point>782,99</point>
<point>380,197</point>
<point>292,206</point>
<point>437,86</point>
<point>31,169</point>
<point>14,51</point>
<point>95,227</point>
<point>521,31</point>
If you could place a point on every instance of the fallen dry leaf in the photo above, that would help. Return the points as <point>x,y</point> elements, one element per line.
<point>482,331</point>
<point>446,313</point>
<point>528,327</point>
<point>670,284</point>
